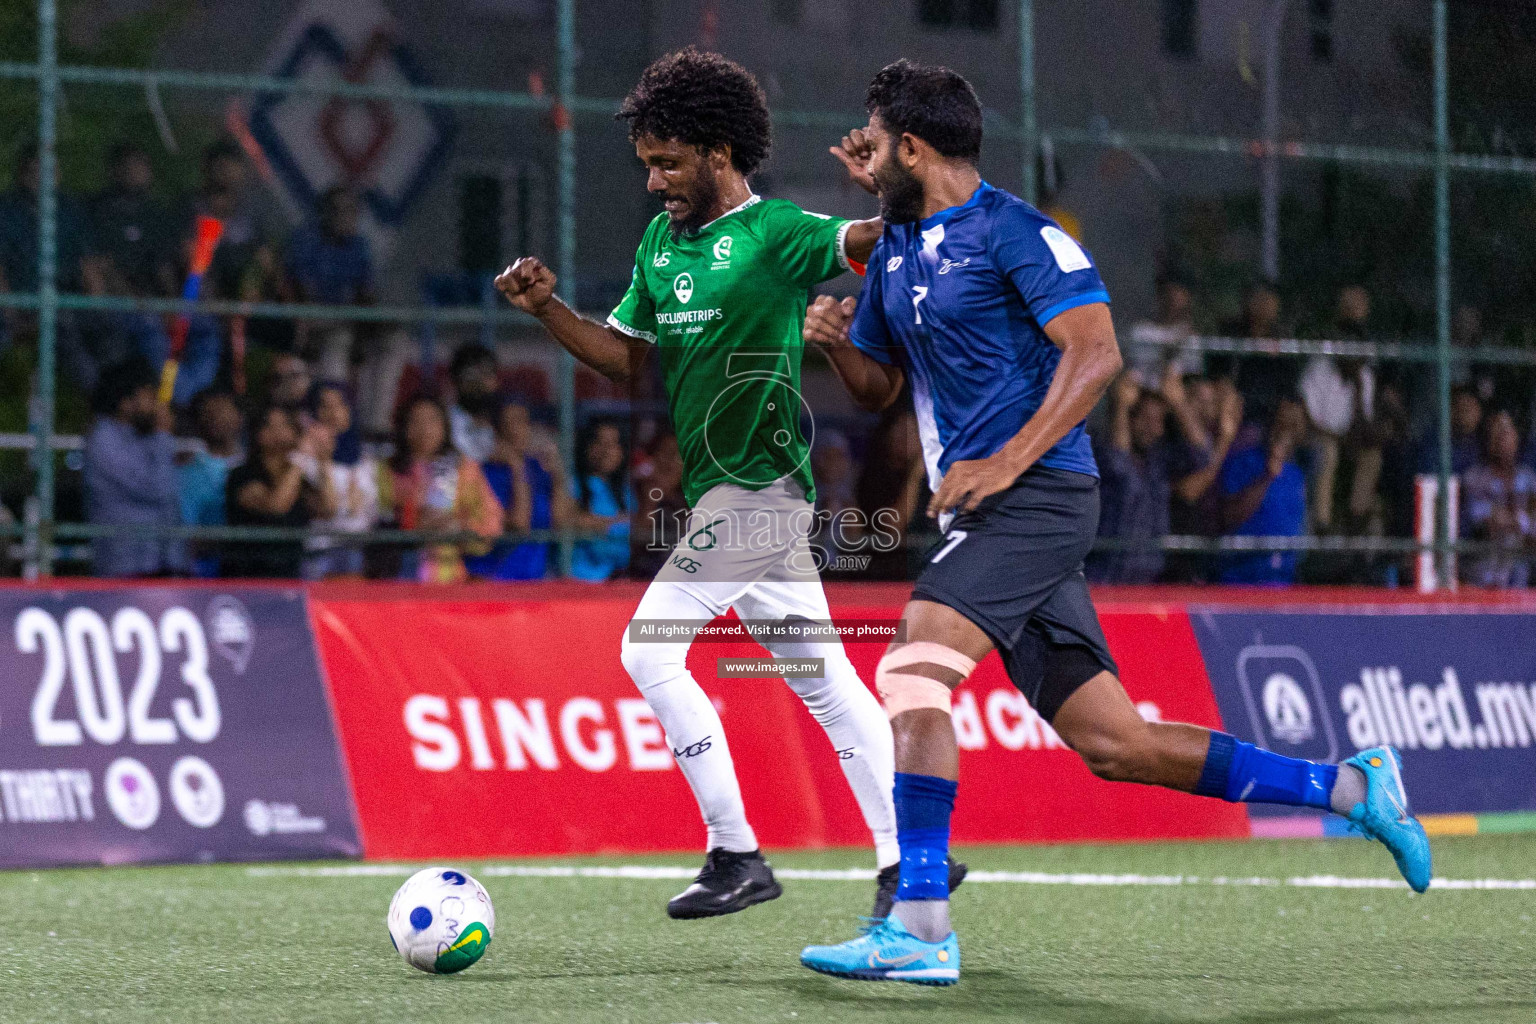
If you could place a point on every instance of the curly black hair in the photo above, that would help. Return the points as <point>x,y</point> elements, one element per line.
<point>703,100</point>
<point>933,103</point>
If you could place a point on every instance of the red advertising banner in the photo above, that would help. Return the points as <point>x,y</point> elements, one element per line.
<point>483,722</point>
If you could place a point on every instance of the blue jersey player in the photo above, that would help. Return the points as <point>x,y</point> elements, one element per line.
<point>1001,323</point>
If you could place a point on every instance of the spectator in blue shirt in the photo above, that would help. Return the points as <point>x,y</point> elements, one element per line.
<point>1265,495</point>
<point>528,481</point>
<point>603,503</point>
<point>330,260</point>
<point>202,475</point>
<point>1134,473</point>
<point>130,476</point>
<point>1466,423</point>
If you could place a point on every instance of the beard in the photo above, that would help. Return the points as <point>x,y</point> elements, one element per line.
<point>144,422</point>
<point>479,404</point>
<point>901,194</point>
<point>701,199</point>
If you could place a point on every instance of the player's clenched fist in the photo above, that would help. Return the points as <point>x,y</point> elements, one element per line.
<point>528,284</point>
<point>856,153</point>
<point>826,322</point>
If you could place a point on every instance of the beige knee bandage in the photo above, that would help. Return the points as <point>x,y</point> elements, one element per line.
<point>905,691</point>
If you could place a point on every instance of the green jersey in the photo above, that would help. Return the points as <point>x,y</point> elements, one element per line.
<point>725,306</point>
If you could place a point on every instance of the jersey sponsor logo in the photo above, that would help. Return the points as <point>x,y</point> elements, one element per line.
<point>1069,255</point>
<point>691,316</point>
<point>891,264</point>
<point>661,259</point>
<point>950,264</point>
<point>723,248</point>
<point>682,287</point>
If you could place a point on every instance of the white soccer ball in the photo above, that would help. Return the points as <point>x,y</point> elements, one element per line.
<point>441,920</point>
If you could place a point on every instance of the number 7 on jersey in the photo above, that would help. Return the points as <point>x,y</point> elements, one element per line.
<point>919,293</point>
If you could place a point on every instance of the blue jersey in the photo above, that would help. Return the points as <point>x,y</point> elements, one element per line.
<point>959,301</point>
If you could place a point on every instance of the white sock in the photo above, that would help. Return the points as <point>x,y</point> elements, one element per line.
<point>689,718</point>
<point>927,919</point>
<point>1348,790</point>
<point>860,733</point>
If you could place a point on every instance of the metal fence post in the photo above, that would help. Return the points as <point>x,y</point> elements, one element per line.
<point>1027,130</point>
<point>41,411</point>
<point>1274,40</point>
<point>1443,509</point>
<point>565,375</point>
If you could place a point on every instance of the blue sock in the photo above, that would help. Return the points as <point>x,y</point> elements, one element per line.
<point>1242,773</point>
<point>923,806</point>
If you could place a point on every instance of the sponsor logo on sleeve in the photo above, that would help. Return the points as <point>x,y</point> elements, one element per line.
<point>1069,255</point>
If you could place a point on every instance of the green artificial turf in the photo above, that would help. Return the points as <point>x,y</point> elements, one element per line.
<point>227,943</point>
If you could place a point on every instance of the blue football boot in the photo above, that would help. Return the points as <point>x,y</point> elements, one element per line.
<point>886,951</point>
<point>1383,814</point>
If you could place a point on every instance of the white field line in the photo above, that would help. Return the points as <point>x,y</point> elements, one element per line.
<point>667,872</point>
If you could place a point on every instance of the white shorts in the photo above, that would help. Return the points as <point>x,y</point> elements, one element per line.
<point>749,550</point>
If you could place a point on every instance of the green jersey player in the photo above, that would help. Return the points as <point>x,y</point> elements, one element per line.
<point>719,289</point>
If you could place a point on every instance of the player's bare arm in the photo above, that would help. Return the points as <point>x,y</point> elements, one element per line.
<point>530,286</point>
<point>873,384</point>
<point>1090,359</point>
<point>859,243</point>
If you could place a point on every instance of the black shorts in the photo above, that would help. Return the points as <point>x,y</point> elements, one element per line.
<point>1014,567</point>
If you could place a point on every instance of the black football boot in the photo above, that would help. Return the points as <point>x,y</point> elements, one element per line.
<point>729,882</point>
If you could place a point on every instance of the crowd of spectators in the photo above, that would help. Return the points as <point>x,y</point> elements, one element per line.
<point>1190,443</point>
<point>133,239</point>
<point>1203,445</point>
<point>298,463</point>
<point>1187,446</point>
